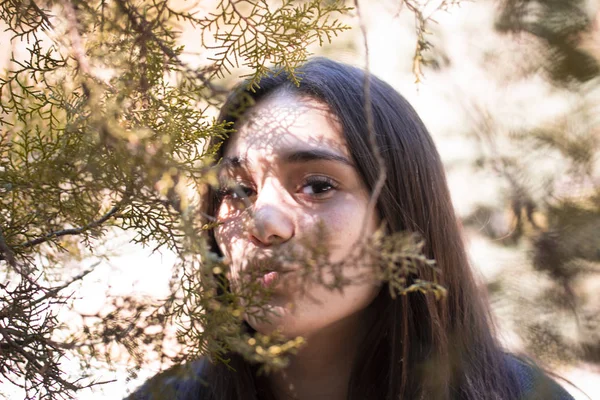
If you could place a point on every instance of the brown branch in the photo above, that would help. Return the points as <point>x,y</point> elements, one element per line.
<point>73,231</point>
<point>6,252</point>
<point>78,49</point>
<point>143,27</point>
<point>54,290</point>
<point>42,14</point>
<point>40,369</point>
<point>370,127</point>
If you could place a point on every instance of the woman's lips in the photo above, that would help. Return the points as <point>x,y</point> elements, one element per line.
<point>269,279</point>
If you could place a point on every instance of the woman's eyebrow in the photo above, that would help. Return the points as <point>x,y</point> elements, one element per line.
<point>314,155</point>
<point>232,165</point>
<point>293,156</point>
<point>233,162</point>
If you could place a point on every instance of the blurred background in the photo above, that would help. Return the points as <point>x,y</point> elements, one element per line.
<point>511,94</point>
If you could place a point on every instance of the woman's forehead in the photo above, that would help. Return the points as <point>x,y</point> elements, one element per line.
<point>284,123</point>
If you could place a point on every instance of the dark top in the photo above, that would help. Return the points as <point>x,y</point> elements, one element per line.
<point>186,383</point>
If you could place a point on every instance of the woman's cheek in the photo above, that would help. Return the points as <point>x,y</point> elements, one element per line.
<point>344,225</point>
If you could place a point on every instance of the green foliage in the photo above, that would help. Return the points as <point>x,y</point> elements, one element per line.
<point>256,34</point>
<point>102,127</point>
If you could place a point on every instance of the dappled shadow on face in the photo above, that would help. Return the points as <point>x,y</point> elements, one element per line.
<point>300,241</point>
<point>278,235</point>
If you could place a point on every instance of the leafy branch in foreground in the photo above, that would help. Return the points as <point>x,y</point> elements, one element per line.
<point>102,128</point>
<point>211,310</point>
<point>261,37</point>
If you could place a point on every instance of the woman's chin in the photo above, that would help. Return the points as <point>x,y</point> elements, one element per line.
<point>272,319</point>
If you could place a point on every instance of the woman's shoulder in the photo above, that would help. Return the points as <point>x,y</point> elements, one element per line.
<point>533,382</point>
<point>181,382</point>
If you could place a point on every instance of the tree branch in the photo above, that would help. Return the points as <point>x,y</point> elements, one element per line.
<point>250,24</point>
<point>40,369</point>
<point>141,25</point>
<point>54,290</point>
<point>78,50</point>
<point>74,231</point>
<point>42,14</point>
<point>370,127</point>
<point>6,252</point>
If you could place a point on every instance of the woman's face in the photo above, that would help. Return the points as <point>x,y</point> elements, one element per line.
<point>293,188</point>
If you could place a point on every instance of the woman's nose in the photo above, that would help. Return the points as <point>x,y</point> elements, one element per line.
<point>271,221</point>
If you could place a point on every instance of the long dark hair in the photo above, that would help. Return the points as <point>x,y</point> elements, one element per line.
<point>419,347</point>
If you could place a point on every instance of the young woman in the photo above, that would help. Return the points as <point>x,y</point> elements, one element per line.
<point>302,159</point>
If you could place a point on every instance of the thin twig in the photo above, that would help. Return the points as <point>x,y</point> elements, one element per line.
<point>40,369</point>
<point>370,128</point>
<point>42,14</point>
<point>73,231</point>
<point>141,25</point>
<point>250,24</point>
<point>78,49</point>
<point>7,252</point>
<point>51,292</point>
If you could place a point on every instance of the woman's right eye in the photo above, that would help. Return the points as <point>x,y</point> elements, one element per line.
<point>236,192</point>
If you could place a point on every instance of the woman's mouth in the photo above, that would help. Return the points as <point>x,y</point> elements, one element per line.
<point>269,279</point>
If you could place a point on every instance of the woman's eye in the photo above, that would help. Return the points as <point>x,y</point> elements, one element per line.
<point>318,187</point>
<point>236,192</point>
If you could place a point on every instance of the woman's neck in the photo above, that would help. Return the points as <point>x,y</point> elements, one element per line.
<point>322,368</point>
